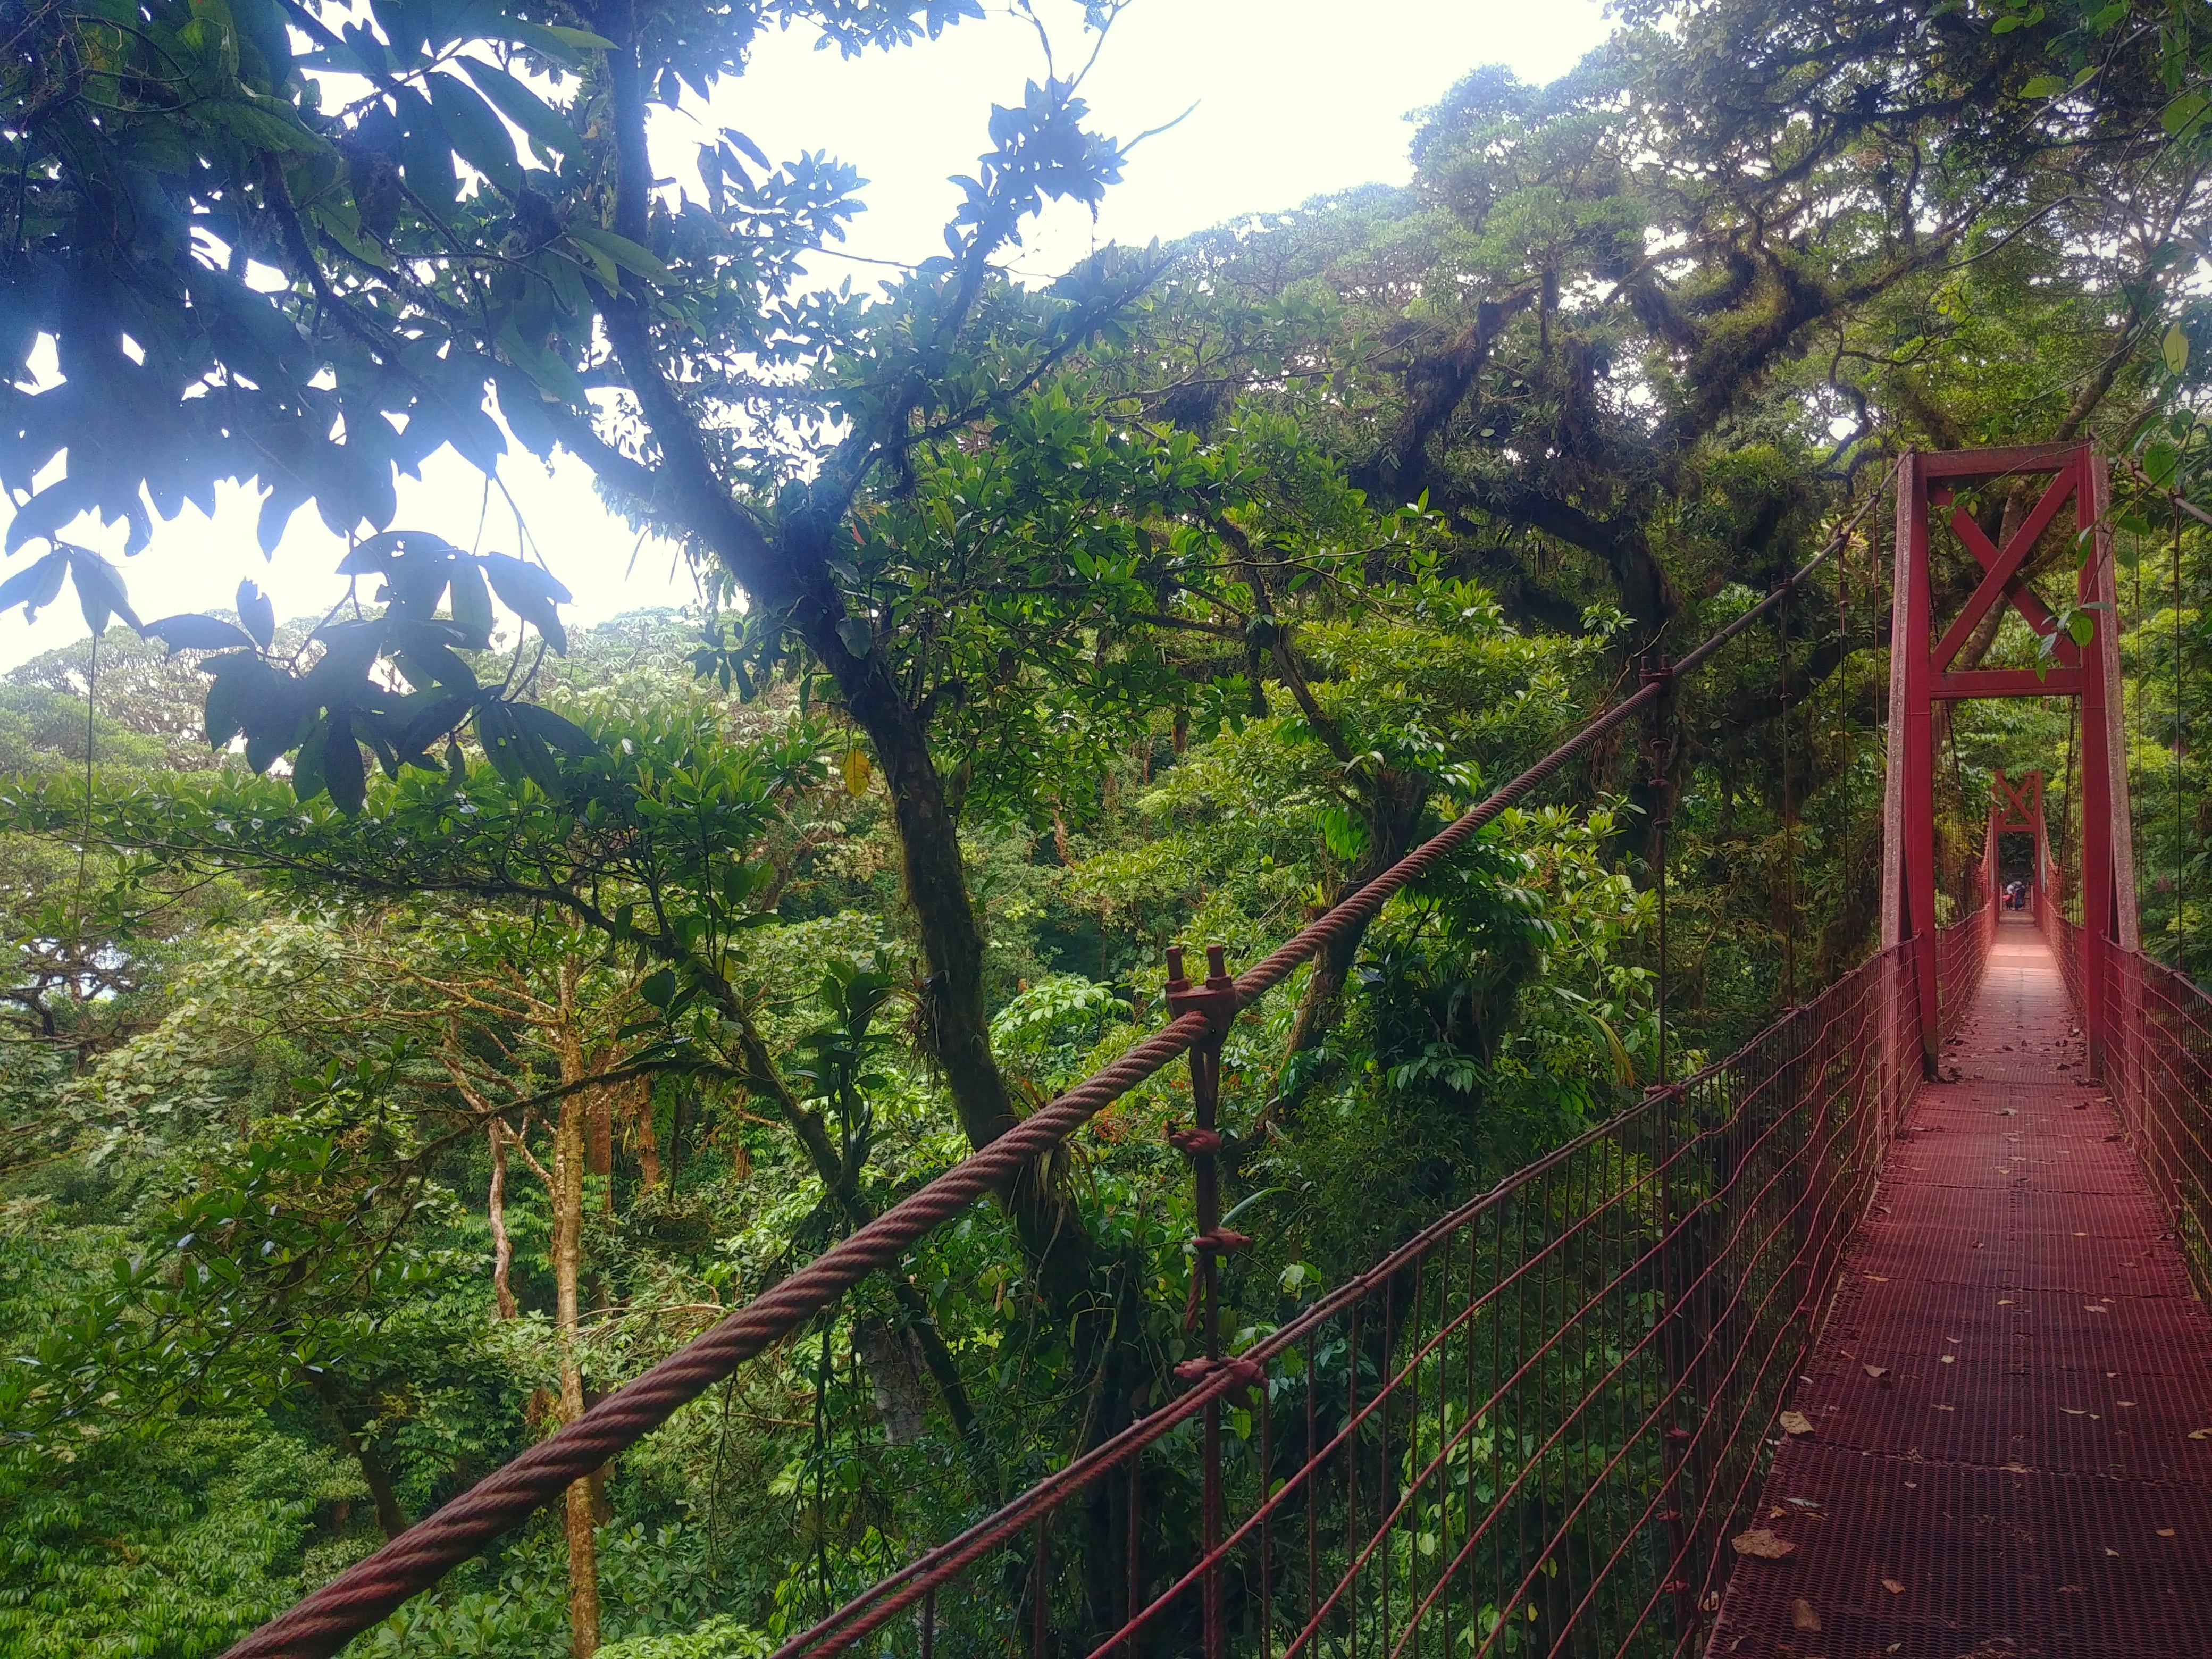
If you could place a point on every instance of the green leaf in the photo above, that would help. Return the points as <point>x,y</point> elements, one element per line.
<point>2183,113</point>
<point>198,633</point>
<point>307,765</point>
<point>858,636</point>
<point>258,613</point>
<point>34,588</point>
<point>2045,86</point>
<point>523,106</point>
<point>344,776</point>
<point>438,717</point>
<point>620,249</point>
<point>550,728</point>
<point>548,370</point>
<point>474,131</point>
<point>532,593</point>
<point>2175,347</point>
<point>2081,627</point>
<point>99,590</point>
<point>471,604</point>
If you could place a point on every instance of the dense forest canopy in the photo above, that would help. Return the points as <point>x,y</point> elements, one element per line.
<point>424,1015</point>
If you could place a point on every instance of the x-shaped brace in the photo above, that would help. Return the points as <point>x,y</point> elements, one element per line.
<point>2001,576</point>
<point>2014,811</point>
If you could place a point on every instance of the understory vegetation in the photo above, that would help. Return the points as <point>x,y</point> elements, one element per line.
<point>423,1017</point>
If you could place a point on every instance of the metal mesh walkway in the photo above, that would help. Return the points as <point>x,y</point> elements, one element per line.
<point>2001,1406</point>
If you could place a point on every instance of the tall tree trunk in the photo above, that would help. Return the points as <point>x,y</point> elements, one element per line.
<point>389,1515</point>
<point>639,1094</point>
<point>502,1246</point>
<point>568,1155</point>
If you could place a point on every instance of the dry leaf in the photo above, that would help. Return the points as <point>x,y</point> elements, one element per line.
<point>1892,1587</point>
<point>1795,1422</point>
<point>1912,1485</point>
<point>2165,1532</point>
<point>1762,1543</point>
<point>2114,1554</point>
<point>2072,1411</point>
<point>2124,1402</point>
<point>1874,1371</point>
<point>1946,1408</point>
<point>1803,1617</point>
<point>1878,1279</point>
<point>2004,1302</point>
<point>1950,1359</point>
<point>2200,1434</point>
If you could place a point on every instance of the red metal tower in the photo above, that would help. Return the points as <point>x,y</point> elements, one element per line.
<point>1921,676</point>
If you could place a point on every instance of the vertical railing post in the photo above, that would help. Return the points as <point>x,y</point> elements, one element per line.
<point>1202,1143</point>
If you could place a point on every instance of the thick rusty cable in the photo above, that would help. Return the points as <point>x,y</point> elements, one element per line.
<point>323,1622</point>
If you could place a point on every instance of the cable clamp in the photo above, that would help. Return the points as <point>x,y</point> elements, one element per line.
<point>1249,1372</point>
<point>1215,999</point>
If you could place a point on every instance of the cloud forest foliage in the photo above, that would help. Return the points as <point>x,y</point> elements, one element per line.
<point>423,1017</point>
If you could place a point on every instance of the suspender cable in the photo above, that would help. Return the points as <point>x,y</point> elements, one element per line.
<point>2180,730</point>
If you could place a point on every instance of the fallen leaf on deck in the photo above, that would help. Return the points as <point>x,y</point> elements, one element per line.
<point>2124,1402</point>
<point>2165,1532</point>
<point>1878,1279</point>
<point>1803,1617</point>
<point>2071,1412</point>
<point>1874,1371</point>
<point>1950,1359</point>
<point>2114,1554</point>
<point>1892,1587</point>
<point>1795,1422</point>
<point>1762,1543</point>
<point>2004,1302</point>
<point>2200,1434</point>
<point>1947,1408</point>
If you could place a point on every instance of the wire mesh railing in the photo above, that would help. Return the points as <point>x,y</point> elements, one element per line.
<point>1529,1429</point>
<point>2157,1066</point>
<point>1962,952</point>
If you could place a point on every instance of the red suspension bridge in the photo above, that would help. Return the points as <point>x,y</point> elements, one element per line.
<point>1883,1335</point>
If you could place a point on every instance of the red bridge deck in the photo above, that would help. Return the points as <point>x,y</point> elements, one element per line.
<point>2000,1460</point>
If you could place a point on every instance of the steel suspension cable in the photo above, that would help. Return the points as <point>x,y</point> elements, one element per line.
<point>366,1592</point>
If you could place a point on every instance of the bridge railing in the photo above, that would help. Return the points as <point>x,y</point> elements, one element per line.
<point>1962,952</point>
<point>2157,1066</point>
<point>1532,1428</point>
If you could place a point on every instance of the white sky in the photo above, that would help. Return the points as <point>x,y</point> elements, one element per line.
<point>1295,99</point>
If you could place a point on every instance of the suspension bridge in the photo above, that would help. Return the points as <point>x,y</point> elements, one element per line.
<point>1884,1335</point>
